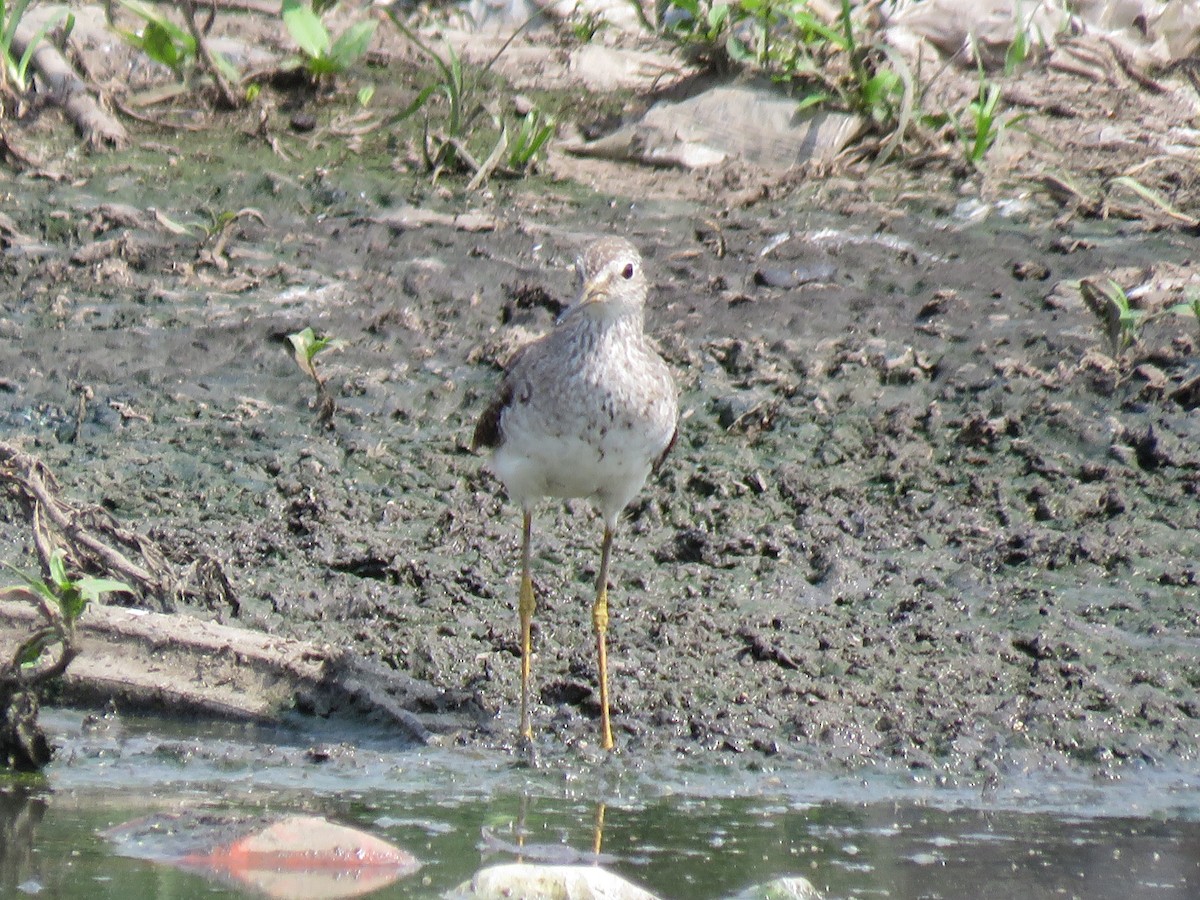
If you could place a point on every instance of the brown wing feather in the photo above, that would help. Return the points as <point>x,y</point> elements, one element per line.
<point>487,429</point>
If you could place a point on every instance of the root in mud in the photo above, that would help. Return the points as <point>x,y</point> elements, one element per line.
<point>96,542</point>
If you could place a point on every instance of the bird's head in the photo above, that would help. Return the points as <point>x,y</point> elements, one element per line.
<point>612,280</point>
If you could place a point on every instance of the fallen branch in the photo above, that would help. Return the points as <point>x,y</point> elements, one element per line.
<point>64,87</point>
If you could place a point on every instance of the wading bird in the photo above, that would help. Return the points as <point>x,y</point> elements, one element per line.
<point>587,410</point>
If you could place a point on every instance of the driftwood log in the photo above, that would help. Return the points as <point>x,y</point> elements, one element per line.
<point>183,666</point>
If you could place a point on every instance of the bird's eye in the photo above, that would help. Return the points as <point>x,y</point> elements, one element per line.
<point>627,272</point>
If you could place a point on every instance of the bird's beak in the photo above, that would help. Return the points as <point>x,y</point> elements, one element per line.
<point>594,291</point>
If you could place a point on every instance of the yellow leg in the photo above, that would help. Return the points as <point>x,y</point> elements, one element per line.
<point>525,609</point>
<point>598,832</point>
<point>600,620</point>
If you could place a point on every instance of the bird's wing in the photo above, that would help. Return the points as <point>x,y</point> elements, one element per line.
<point>487,429</point>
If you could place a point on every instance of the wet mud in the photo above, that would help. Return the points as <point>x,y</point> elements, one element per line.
<point>921,512</point>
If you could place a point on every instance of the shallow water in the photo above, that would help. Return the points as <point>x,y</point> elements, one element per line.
<point>677,829</point>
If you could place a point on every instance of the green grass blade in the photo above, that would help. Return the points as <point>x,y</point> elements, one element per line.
<point>421,99</point>
<point>11,23</point>
<point>34,584</point>
<point>1152,197</point>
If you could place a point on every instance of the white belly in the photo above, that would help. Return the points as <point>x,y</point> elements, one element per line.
<point>612,471</point>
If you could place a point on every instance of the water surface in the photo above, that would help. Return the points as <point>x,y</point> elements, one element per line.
<point>679,829</point>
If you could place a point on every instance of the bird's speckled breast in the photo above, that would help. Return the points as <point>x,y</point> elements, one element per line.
<point>592,427</point>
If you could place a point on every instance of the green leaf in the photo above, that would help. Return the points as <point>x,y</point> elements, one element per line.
<point>1153,197</point>
<point>32,648</point>
<point>92,589</point>
<point>814,99</point>
<point>813,30</point>
<point>306,344</point>
<point>306,29</point>
<point>302,344</point>
<point>456,69</point>
<point>737,50</point>
<point>21,69</point>
<point>717,17</point>
<point>1117,295</point>
<point>58,569</point>
<point>10,24</point>
<point>175,227</point>
<point>150,15</point>
<point>157,44</point>
<point>1184,309</point>
<point>421,99</point>
<point>352,43</point>
<point>533,134</point>
<point>35,584</point>
<point>1018,51</point>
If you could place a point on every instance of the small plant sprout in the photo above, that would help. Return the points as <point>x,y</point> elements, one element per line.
<point>466,100</point>
<point>323,54</point>
<point>215,236</point>
<point>984,126</point>
<point>442,150</point>
<point>180,48</point>
<point>306,346</point>
<point>585,24</point>
<point>1110,303</point>
<point>61,601</point>
<point>535,130</point>
<point>160,39</point>
<point>1123,323</point>
<point>984,122</point>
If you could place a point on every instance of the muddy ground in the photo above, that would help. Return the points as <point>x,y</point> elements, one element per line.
<point>921,512</point>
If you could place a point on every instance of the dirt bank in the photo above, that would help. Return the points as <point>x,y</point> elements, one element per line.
<point>918,512</point>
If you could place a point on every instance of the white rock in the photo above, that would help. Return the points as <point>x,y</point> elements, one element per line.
<point>537,882</point>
